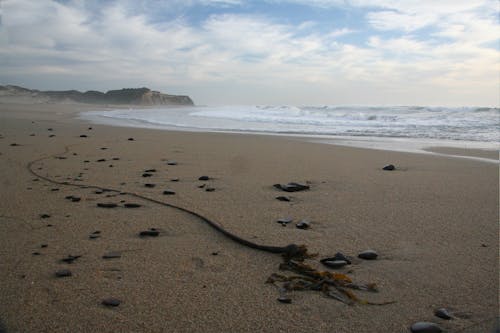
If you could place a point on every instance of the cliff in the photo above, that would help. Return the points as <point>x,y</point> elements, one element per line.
<point>127,96</point>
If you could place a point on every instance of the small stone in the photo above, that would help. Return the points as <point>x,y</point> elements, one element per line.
<point>174,179</point>
<point>443,314</point>
<point>63,273</point>
<point>111,255</point>
<point>104,148</point>
<point>202,185</point>
<point>149,233</point>
<point>291,187</point>
<point>115,158</point>
<point>83,136</point>
<point>106,205</point>
<point>172,163</point>
<point>149,185</point>
<point>204,178</point>
<point>14,144</point>
<point>130,139</point>
<point>304,224</point>
<point>210,189</point>
<point>283,198</point>
<point>98,192</point>
<point>52,135</point>
<point>215,253</point>
<point>131,205</point>
<point>333,263</point>
<point>168,192</point>
<point>110,166</point>
<point>43,246</point>
<point>341,256</point>
<point>101,160</point>
<point>283,298</point>
<point>484,245</point>
<point>69,259</point>
<point>54,189</point>
<point>150,170</point>
<point>368,255</point>
<point>425,327</point>
<point>284,221</point>
<point>90,128</point>
<point>389,167</point>
<point>94,236</point>
<point>111,302</point>
<point>44,216</point>
<point>36,253</point>
<point>97,232</point>
<point>146,175</point>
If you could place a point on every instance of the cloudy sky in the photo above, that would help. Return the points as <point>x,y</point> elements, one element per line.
<point>302,52</point>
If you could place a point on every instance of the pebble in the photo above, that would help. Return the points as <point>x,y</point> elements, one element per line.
<point>111,302</point>
<point>44,216</point>
<point>146,175</point>
<point>283,198</point>
<point>174,179</point>
<point>83,136</point>
<point>36,253</point>
<point>341,256</point>
<point>425,327</point>
<point>130,139</point>
<point>168,192</point>
<point>443,314</point>
<point>285,221</point>
<point>283,298</point>
<point>111,255</point>
<point>291,187</point>
<point>368,255</point>
<point>14,144</point>
<point>150,170</point>
<point>149,185</point>
<point>106,205</point>
<point>73,198</point>
<point>389,167</point>
<point>131,205</point>
<point>210,189</point>
<point>101,160</point>
<point>94,236</point>
<point>172,163</point>
<point>115,158</point>
<point>43,246</point>
<point>63,273</point>
<point>69,259</point>
<point>149,233</point>
<point>304,224</point>
<point>201,186</point>
<point>204,178</point>
<point>333,263</point>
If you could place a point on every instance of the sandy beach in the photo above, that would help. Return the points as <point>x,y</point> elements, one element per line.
<point>433,222</point>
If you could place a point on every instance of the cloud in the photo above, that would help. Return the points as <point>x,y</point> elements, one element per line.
<point>253,58</point>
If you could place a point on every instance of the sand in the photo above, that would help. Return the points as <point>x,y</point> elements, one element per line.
<point>433,222</point>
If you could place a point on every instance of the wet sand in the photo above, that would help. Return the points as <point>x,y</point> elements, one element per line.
<point>433,221</point>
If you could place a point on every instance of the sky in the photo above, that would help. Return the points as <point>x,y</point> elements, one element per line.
<point>274,52</point>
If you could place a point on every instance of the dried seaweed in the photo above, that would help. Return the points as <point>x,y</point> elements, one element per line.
<point>332,284</point>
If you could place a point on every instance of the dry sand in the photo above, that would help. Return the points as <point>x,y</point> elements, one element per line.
<point>434,223</point>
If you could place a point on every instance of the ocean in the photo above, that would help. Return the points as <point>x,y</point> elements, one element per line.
<point>405,128</point>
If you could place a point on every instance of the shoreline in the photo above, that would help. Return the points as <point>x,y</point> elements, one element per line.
<point>433,222</point>
<point>480,151</point>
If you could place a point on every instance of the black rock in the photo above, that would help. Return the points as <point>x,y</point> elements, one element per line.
<point>291,187</point>
<point>63,273</point>
<point>202,185</point>
<point>52,135</point>
<point>73,198</point>
<point>168,192</point>
<point>425,327</point>
<point>149,185</point>
<point>283,198</point>
<point>111,255</point>
<point>83,136</point>
<point>106,205</point>
<point>111,302</point>
<point>101,160</point>
<point>210,189</point>
<point>333,263</point>
<point>146,175</point>
<point>172,163</point>
<point>104,148</point>
<point>389,167</point>
<point>204,178</point>
<point>341,256</point>
<point>130,139</point>
<point>443,314</point>
<point>44,216</point>
<point>90,128</point>
<point>283,298</point>
<point>98,192</point>
<point>149,233</point>
<point>368,255</point>
<point>69,259</point>
<point>174,179</point>
<point>43,246</point>
<point>284,221</point>
<point>303,224</point>
<point>150,170</point>
<point>115,158</point>
<point>14,144</point>
<point>36,253</point>
<point>94,236</point>
<point>54,189</point>
<point>131,205</point>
